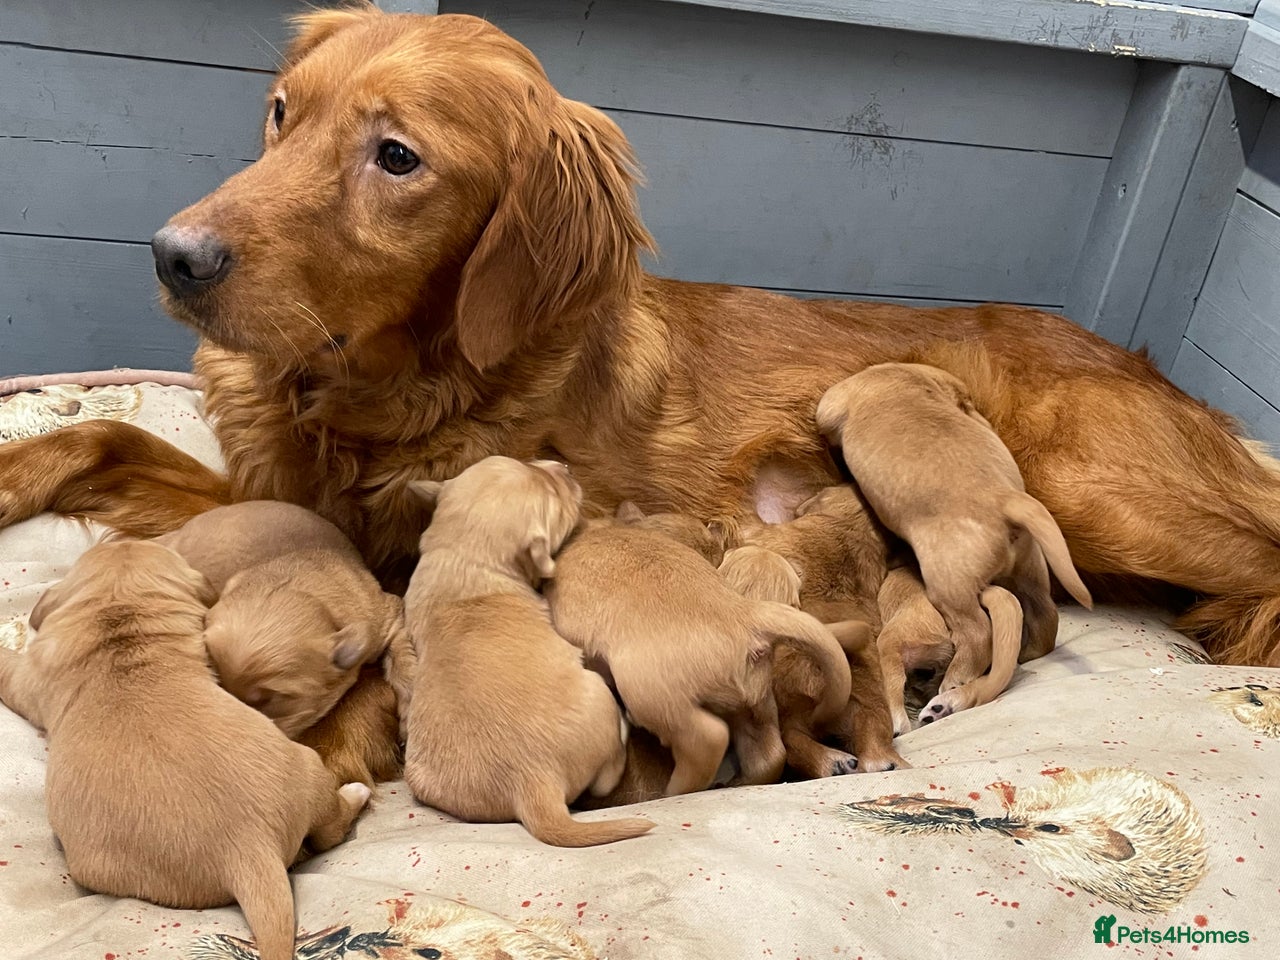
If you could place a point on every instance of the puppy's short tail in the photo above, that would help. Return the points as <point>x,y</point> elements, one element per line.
<point>806,635</point>
<point>263,892</point>
<point>1030,514</point>
<point>542,810</point>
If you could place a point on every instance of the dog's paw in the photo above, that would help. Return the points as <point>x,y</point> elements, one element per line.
<point>356,794</point>
<point>937,708</point>
<point>901,722</point>
<point>843,765</point>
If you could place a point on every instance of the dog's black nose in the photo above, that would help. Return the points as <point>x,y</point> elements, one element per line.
<point>189,259</point>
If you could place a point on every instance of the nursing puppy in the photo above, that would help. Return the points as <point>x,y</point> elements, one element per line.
<point>839,552</point>
<point>160,784</point>
<point>937,475</point>
<point>689,657</point>
<point>505,723</point>
<point>298,614</point>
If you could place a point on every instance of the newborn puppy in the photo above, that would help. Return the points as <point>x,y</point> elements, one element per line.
<point>839,553</point>
<point>937,475</point>
<point>505,723</point>
<point>690,657</point>
<point>298,613</point>
<point>160,784</point>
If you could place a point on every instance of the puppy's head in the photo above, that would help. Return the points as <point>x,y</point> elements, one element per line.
<point>124,572</point>
<point>708,539</point>
<point>510,511</point>
<point>278,650</point>
<point>421,182</point>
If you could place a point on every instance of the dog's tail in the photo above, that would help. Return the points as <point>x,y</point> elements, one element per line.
<point>264,894</point>
<point>1006,643</point>
<point>1030,514</point>
<point>1236,629</point>
<point>807,636</point>
<point>541,808</point>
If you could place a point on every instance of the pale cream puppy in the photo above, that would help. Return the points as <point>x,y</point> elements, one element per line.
<point>160,784</point>
<point>689,656</point>
<point>505,723</point>
<point>937,475</point>
<point>298,614</point>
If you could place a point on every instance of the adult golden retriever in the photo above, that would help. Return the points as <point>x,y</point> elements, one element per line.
<point>436,259</point>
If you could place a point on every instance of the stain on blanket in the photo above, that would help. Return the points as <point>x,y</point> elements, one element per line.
<point>1254,705</point>
<point>1123,835</point>
<point>423,930</point>
<point>34,412</point>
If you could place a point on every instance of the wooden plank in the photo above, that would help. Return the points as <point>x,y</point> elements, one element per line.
<point>1201,376</point>
<point>797,209</point>
<point>1198,221</point>
<point>1261,179</point>
<point>77,305</point>
<point>236,33</point>
<point>1139,197</point>
<point>1122,28</point>
<point>409,6</point>
<point>1245,7</point>
<point>104,193</point>
<point>1235,320</point>
<point>653,57</point>
<point>114,101</point>
<point>1259,57</point>
<point>1268,12</point>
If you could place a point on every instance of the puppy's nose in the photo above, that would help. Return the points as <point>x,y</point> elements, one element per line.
<point>189,259</point>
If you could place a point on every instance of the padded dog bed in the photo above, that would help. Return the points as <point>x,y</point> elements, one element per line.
<point>1122,784</point>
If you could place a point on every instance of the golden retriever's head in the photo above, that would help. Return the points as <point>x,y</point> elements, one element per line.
<point>511,512</point>
<point>421,184</point>
<point>277,649</point>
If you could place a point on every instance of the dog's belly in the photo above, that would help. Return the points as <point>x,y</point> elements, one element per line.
<point>781,486</point>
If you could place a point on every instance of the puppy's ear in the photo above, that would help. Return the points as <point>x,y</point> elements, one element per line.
<point>564,239</point>
<point>428,491</point>
<point>628,512</point>
<point>49,601</point>
<point>724,534</point>
<point>357,644</point>
<point>314,28</point>
<point>540,557</point>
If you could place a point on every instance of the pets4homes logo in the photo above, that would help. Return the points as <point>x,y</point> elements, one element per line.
<point>1106,931</point>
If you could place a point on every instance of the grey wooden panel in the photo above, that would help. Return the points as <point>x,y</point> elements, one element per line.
<point>1236,320</point>
<point>106,193</point>
<point>1268,12</point>
<point>1261,178</point>
<point>1258,60</point>
<point>1198,221</point>
<point>1139,197</point>
<point>409,6</point>
<point>1245,7</point>
<point>1201,376</point>
<point>1125,28</point>
<point>799,209</point>
<point>116,101</point>
<point>655,57</point>
<point>78,305</point>
<point>239,33</point>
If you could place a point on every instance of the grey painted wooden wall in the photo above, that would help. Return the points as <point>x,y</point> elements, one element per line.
<point>1230,353</point>
<point>114,115</point>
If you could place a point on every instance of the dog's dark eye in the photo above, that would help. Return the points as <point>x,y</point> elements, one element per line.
<point>277,112</point>
<point>395,158</point>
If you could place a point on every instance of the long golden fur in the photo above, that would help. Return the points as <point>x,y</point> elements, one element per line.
<point>161,785</point>
<point>376,329</point>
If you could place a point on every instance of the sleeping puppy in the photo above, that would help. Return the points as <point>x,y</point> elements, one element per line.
<point>937,475</point>
<point>160,784</point>
<point>690,658</point>
<point>298,614</point>
<point>505,723</point>
<point>839,552</point>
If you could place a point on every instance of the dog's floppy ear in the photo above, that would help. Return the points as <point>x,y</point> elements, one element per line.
<point>314,28</point>
<point>563,240</point>
<point>356,644</point>
<point>628,512</point>
<point>49,601</point>
<point>428,491</point>
<point>540,557</point>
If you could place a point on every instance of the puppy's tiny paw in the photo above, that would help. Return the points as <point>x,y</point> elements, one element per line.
<point>844,766</point>
<point>357,794</point>
<point>936,709</point>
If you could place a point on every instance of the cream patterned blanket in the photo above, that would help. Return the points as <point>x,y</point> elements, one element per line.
<point>1120,790</point>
